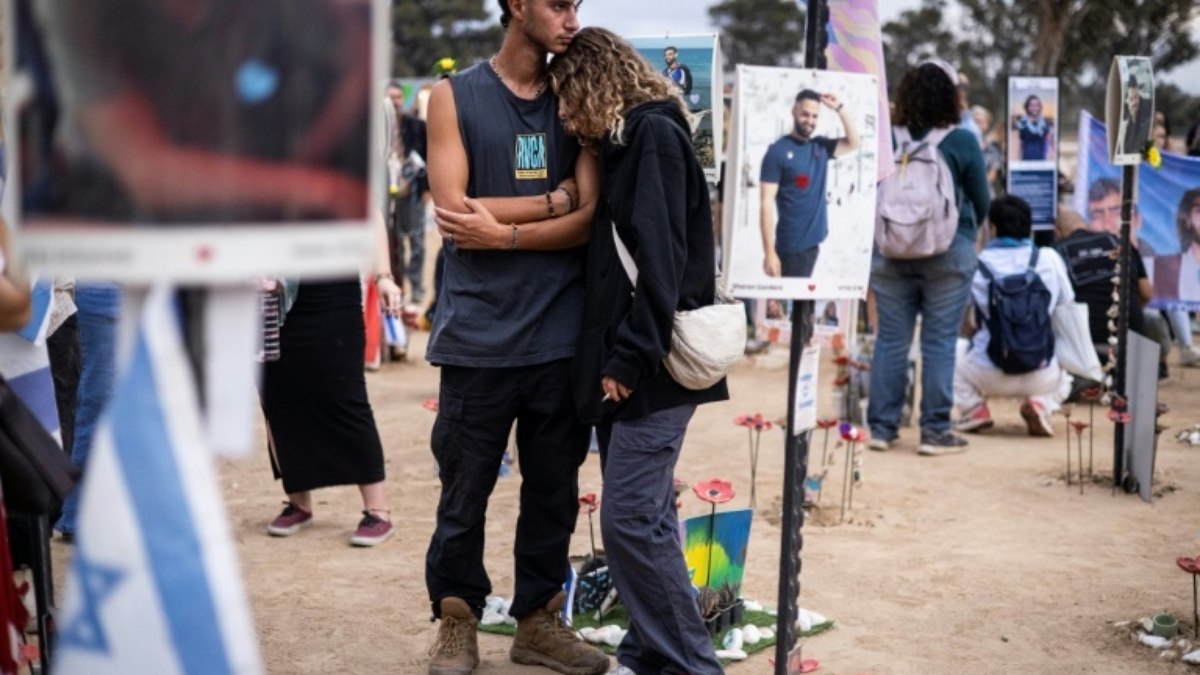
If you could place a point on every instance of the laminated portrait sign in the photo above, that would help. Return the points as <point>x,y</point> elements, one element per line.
<point>799,216</point>
<point>693,64</point>
<point>198,142</point>
<point>1033,146</point>
<point>1129,109</point>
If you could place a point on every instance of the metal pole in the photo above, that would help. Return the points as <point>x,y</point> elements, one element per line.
<point>1125,288</point>
<point>796,445</point>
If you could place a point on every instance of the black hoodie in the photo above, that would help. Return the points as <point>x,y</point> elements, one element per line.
<point>656,193</point>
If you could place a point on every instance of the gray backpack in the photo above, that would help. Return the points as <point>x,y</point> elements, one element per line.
<point>916,214</point>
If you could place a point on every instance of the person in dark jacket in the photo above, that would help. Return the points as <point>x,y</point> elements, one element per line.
<point>655,198</point>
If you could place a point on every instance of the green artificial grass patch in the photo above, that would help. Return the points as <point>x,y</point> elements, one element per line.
<point>619,617</point>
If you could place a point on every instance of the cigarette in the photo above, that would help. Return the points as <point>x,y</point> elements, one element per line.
<point>606,398</point>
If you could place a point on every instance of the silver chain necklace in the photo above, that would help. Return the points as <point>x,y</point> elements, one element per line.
<point>496,69</point>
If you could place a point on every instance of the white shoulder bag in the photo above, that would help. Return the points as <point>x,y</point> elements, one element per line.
<point>706,343</point>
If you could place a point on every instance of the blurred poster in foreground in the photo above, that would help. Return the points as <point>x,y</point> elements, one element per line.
<point>199,141</point>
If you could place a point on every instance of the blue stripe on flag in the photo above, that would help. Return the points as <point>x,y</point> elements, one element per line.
<point>41,300</point>
<point>36,391</point>
<point>168,530</point>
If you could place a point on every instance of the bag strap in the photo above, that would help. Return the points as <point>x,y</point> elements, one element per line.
<point>631,269</point>
<point>1033,258</point>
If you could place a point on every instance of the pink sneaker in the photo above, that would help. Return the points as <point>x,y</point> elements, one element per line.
<point>292,520</point>
<point>976,419</point>
<point>372,531</point>
<point>1036,418</point>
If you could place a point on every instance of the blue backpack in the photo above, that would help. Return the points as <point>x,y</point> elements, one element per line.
<point>1018,318</point>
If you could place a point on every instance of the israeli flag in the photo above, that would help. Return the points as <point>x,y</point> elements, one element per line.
<point>25,360</point>
<point>154,585</point>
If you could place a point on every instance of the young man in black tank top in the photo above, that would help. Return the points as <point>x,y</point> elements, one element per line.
<point>514,199</point>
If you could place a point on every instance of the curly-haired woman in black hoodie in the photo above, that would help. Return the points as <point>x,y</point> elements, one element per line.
<point>655,198</point>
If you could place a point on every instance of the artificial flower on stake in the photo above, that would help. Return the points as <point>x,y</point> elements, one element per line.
<point>1192,567</point>
<point>1066,412</point>
<point>852,435</point>
<point>588,504</point>
<point>816,482</point>
<point>714,491</point>
<point>755,424</point>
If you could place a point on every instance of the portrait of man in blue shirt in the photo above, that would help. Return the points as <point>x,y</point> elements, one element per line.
<point>792,186</point>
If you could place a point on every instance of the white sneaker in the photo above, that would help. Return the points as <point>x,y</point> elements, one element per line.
<point>621,670</point>
<point>880,444</point>
<point>1189,357</point>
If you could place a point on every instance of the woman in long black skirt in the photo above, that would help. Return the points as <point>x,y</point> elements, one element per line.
<point>319,422</point>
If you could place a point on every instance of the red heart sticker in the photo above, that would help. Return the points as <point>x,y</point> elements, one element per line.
<point>812,287</point>
<point>802,181</point>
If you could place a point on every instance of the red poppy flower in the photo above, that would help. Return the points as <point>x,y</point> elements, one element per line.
<point>1119,416</point>
<point>802,181</point>
<point>841,380</point>
<point>755,421</point>
<point>762,425</point>
<point>714,491</point>
<point>1189,565</point>
<point>1119,403</point>
<point>589,503</point>
<point>841,360</point>
<point>827,423</point>
<point>1079,426</point>
<point>1092,393</point>
<point>851,433</point>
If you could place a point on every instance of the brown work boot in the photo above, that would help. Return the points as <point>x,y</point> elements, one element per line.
<point>544,640</point>
<point>456,651</point>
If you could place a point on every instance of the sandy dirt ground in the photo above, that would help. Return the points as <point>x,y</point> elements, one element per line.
<point>983,562</point>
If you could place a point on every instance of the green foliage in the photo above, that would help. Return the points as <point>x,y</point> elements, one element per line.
<point>760,32</point>
<point>424,31</point>
<point>1073,39</point>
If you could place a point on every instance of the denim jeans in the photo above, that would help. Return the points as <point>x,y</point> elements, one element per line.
<point>98,306</point>
<point>641,539</point>
<point>410,229</point>
<point>937,289</point>
<point>478,407</point>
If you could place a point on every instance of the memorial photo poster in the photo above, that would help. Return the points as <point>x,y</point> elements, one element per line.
<point>1130,108</point>
<point>803,143</point>
<point>161,147</point>
<point>1165,225</point>
<point>693,64</point>
<point>1033,146</point>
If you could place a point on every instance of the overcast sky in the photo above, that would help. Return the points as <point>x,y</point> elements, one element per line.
<point>682,17</point>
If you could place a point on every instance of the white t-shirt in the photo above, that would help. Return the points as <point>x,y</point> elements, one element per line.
<point>1005,260</point>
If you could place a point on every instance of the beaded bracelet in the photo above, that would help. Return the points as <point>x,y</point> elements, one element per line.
<point>515,239</point>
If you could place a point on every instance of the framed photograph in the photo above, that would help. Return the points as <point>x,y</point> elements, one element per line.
<point>693,64</point>
<point>799,216</point>
<point>1130,108</point>
<point>197,142</point>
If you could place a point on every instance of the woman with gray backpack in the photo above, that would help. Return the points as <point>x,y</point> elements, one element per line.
<point>927,215</point>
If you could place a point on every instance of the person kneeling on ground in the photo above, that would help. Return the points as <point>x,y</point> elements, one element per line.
<point>1015,289</point>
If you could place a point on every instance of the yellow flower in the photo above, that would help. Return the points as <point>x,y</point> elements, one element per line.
<point>1154,157</point>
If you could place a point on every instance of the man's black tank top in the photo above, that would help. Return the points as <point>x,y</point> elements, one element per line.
<point>501,309</point>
